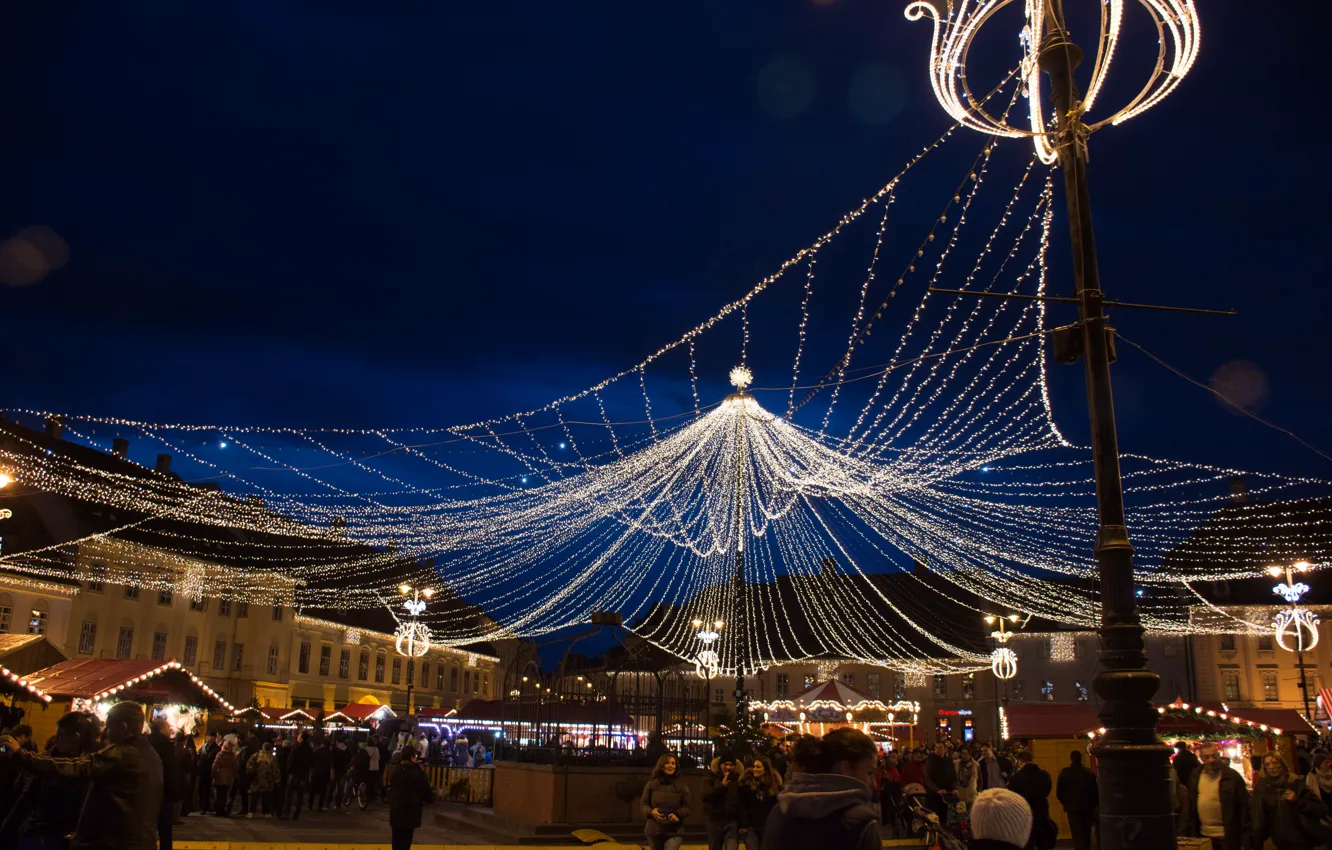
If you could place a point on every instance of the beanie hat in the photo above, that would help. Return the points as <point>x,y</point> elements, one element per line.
<point>1002,815</point>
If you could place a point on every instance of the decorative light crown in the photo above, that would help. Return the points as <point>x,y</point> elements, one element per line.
<point>741,377</point>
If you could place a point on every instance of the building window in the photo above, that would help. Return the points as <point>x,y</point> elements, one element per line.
<point>1172,648</point>
<point>125,643</point>
<point>940,687</point>
<point>849,679</point>
<point>1079,649</point>
<point>325,659</point>
<point>1266,644</point>
<point>6,615</point>
<point>224,607</point>
<point>277,613</point>
<point>273,653</point>
<point>453,680</point>
<point>1230,684</point>
<point>363,667</point>
<point>485,686</point>
<point>94,586</point>
<point>809,681</point>
<point>303,660</point>
<point>220,655</point>
<point>439,678</point>
<point>397,671</point>
<point>159,646</point>
<point>1081,690</point>
<point>425,674</point>
<point>379,668</point>
<point>467,681</point>
<point>899,686</point>
<point>131,592</point>
<point>242,610</point>
<point>344,664</point>
<point>87,638</point>
<point>1019,689</point>
<point>191,649</point>
<point>969,686</point>
<point>237,657</point>
<point>163,597</point>
<point>37,622</point>
<point>1047,691</point>
<point>1271,693</point>
<point>783,685</point>
<point>1227,643</point>
<point>719,695</point>
<point>199,604</point>
<point>872,683</point>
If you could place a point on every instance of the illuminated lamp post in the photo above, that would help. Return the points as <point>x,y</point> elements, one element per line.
<point>412,638</point>
<point>708,662</point>
<point>1296,628</point>
<point>1003,664</point>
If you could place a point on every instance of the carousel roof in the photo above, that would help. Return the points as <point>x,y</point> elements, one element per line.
<point>831,691</point>
<point>101,678</point>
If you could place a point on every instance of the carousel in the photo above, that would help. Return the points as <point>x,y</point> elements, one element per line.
<point>830,705</point>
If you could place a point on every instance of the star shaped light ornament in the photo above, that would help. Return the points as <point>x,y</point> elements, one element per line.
<point>741,377</point>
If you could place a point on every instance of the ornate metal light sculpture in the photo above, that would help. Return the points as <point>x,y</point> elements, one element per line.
<point>1296,628</point>
<point>412,637</point>
<point>1003,661</point>
<point>707,663</point>
<point>956,23</point>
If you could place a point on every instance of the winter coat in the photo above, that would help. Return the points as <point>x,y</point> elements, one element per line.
<point>825,810</point>
<point>225,768</point>
<point>298,763</point>
<point>723,799</point>
<point>1033,785</point>
<point>940,774</point>
<point>1280,819</point>
<point>321,762</point>
<point>991,774</point>
<point>913,773</point>
<point>173,783</point>
<point>1186,764</point>
<point>50,806</point>
<point>410,790</point>
<point>1076,789</point>
<point>1234,809</point>
<point>124,793</point>
<point>341,759</point>
<point>667,796</point>
<point>756,804</point>
<point>263,772</point>
<point>242,760</point>
<point>206,758</point>
<point>968,780</point>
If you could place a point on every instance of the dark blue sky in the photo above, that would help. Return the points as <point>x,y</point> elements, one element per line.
<point>412,213</point>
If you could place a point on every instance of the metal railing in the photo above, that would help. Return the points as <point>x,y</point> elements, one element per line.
<point>473,786</point>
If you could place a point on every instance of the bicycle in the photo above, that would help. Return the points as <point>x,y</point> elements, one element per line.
<point>939,836</point>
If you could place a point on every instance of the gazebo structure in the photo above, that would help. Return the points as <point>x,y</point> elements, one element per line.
<point>166,689</point>
<point>829,705</point>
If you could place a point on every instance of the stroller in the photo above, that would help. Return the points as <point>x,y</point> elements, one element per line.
<point>950,835</point>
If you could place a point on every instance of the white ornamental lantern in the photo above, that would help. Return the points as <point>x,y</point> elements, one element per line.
<point>1296,629</point>
<point>412,639</point>
<point>1003,663</point>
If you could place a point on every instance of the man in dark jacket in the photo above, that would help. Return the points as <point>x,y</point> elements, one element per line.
<point>125,794</point>
<point>1077,792</point>
<point>940,779</point>
<point>1185,763</point>
<point>298,777</point>
<point>321,769</point>
<point>206,756</point>
<point>723,805</point>
<point>171,781</point>
<point>48,810</point>
<point>341,762</point>
<point>1217,804</point>
<point>1033,784</point>
<point>410,790</point>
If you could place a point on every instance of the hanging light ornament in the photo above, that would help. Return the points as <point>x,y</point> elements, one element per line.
<point>956,25</point>
<point>707,664</point>
<point>412,637</point>
<point>1003,661</point>
<point>1296,628</point>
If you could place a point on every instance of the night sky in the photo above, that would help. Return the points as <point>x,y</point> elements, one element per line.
<point>410,213</point>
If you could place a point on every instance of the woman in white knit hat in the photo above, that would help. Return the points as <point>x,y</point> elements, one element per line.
<point>1000,820</point>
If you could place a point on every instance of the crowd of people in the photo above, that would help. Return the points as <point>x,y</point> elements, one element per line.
<point>118,785</point>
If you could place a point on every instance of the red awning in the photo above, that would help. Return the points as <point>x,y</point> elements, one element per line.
<point>1050,719</point>
<point>124,678</point>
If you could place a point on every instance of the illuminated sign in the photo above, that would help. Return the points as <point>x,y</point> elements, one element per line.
<point>954,712</point>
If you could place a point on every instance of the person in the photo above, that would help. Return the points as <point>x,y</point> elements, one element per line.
<point>940,779</point>
<point>186,757</point>
<point>263,773</point>
<point>826,803</point>
<point>779,759</point>
<point>1184,762</point>
<point>1283,809</point>
<point>374,780</point>
<point>759,786</point>
<point>172,781</point>
<point>1033,784</point>
<point>990,775</point>
<point>321,772</point>
<point>212,746</point>
<point>1076,791</point>
<point>1000,820</point>
<point>912,769</point>
<point>723,805</point>
<point>223,773</point>
<point>47,812</point>
<point>889,780</point>
<point>341,762</point>
<point>124,779</point>
<point>664,805</point>
<point>655,749</point>
<point>968,776</point>
<point>1319,779</point>
<point>298,777</point>
<point>409,791</point>
<point>1217,803</point>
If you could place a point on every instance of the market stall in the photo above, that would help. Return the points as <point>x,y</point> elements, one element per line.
<point>1243,734</point>
<point>361,715</point>
<point>166,690</point>
<point>830,705</point>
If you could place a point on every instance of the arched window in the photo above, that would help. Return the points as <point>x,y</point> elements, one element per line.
<point>40,617</point>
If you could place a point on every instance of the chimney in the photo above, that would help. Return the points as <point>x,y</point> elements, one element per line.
<point>1239,492</point>
<point>120,447</point>
<point>164,464</point>
<point>55,427</point>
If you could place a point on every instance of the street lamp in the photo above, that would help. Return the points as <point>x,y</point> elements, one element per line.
<point>1296,628</point>
<point>5,479</point>
<point>1003,664</point>
<point>412,638</point>
<point>707,663</point>
<point>1134,764</point>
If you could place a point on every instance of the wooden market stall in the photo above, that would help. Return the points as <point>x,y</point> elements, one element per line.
<point>1243,734</point>
<point>1050,731</point>
<point>830,705</point>
<point>165,688</point>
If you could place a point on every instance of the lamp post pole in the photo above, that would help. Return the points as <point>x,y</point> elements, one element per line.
<point>1299,619</point>
<point>1133,764</point>
<point>415,604</point>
